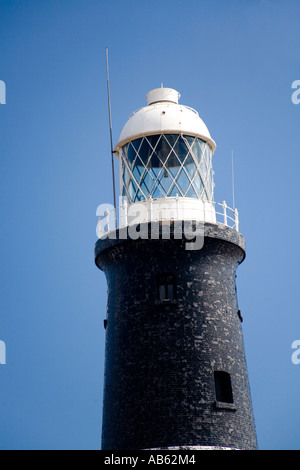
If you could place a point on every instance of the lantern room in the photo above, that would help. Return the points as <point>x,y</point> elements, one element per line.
<point>165,151</point>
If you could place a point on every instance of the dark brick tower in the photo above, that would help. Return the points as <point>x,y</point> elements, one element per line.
<point>175,372</point>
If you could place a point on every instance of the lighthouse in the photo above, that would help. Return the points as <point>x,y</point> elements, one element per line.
<point>175,368</point>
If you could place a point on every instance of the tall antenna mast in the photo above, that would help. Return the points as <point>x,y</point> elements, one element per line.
<point>110,130</point>
<point>232,176</point>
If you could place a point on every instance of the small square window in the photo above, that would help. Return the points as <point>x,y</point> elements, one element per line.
<point>223,387</point>
<point>166,287</point>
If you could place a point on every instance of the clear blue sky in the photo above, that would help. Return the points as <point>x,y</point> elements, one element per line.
<point>232,60</point>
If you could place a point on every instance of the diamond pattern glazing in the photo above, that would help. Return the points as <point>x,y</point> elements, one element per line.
<point>166,165</point>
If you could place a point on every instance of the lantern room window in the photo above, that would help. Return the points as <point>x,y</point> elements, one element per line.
<point>166,165</point>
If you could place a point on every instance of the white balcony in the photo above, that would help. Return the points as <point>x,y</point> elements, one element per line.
<point>165,210</point>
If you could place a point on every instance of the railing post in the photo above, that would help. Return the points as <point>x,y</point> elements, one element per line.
<point>150,199</point>
<point>236,214</point>
<point>177,206</point>
<point>100,230</point>
<point>107,219</point>
<point>225,212</point>
<point>125,205</point>
<point>115,219</point>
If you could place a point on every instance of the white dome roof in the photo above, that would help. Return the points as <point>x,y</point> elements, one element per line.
<point>164,115</point>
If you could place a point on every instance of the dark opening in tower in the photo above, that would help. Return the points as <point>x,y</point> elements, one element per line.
<point>223,387</point>
<point>166,289</point>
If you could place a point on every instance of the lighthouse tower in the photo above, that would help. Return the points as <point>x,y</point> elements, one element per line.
<point>175,369</point>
